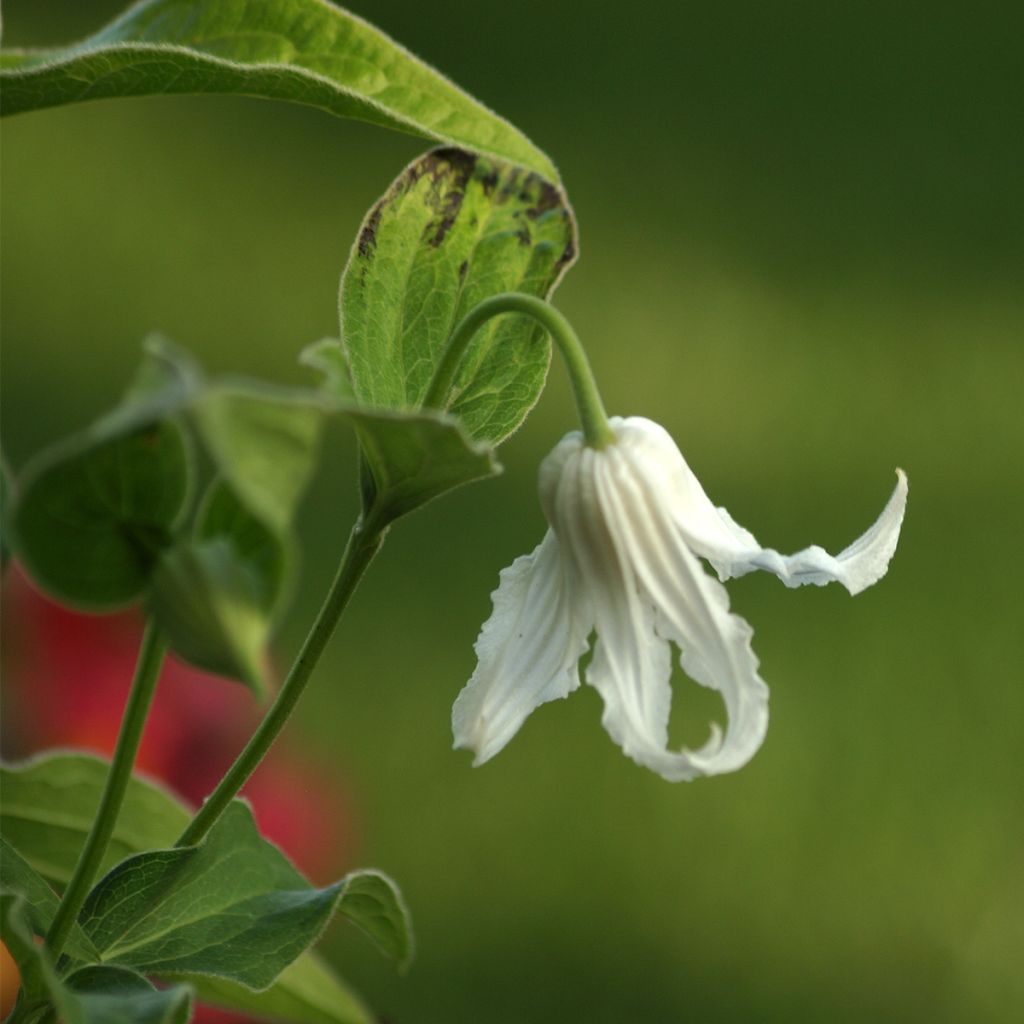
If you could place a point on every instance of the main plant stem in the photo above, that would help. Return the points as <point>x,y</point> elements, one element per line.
<point>147,670</point>
<point>363,543</point>
<point>593,418</point>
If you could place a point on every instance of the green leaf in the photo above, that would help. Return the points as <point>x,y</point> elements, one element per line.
<point>49,804</point>
<point>414,457</point>
<point>210,604</point>
<point>264,441</point>
<point>269,555</point>
<point>115,995</point>
<point>17,875</point>
<point>94,514</point>
<point>306,992</point>
<point>452,230</point>
<point>232,907</point>
<point>306,51</point>
<point>373,902</point>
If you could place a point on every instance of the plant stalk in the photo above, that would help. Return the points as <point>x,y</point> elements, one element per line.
<point>363,544</point>
<point>147,671</point>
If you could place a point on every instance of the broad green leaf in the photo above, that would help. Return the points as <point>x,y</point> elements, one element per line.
<point>306,51</point>
<point>454,229</point>
<point>374,902</point>
<point>232,907</point>
<point>264,441</point>
<point>409,457</point>
<point>306,992</point>
<point>115,995</point>
<point>267,554</point>
<point>93,516</point>
<point>49,804</point>
<point>17,875</point>
<point>414,457</point>
<point>209,603</point>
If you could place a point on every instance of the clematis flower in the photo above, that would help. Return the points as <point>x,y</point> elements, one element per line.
<point>629,523</point>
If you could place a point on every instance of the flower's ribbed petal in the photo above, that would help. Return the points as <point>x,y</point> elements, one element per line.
<point>527,650</point>
<point>713,534</point>
<point>645,587</point>
<point>693,611</point>
<point>632,665</point>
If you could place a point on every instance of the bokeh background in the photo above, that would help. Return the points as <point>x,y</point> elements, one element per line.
<point>802,251</point>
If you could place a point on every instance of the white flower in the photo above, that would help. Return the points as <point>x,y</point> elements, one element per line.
<point>628,524</point>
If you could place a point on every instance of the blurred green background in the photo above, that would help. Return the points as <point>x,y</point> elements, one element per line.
<point>802,251</point>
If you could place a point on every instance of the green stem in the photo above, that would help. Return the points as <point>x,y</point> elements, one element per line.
<point>588,400</point>
<point>147,670</point>
<point>363,543</point>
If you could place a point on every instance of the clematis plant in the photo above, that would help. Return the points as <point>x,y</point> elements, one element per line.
<point>118,900</point>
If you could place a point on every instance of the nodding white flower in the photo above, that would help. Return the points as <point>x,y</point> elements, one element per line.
<point>629,523</point>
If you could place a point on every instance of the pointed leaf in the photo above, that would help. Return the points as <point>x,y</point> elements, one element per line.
<point>93,515</point>
<point>232,907</point>
<point>49,804</point>
<point>209,602</point>
<point>452,230</point>
<point>306,992</point>
<point>306,51</point>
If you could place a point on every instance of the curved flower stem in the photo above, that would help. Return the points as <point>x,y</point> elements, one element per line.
<point>364,542</point>
<point>147,671</point>
<point>588,400</point>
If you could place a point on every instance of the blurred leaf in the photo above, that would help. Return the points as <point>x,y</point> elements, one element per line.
<point>232,907</point>
<point>264,441</point>
<point>305,51</point>
<point>414,457</point>
<point>452,230</point>
<point>266,553</point>
<point>17,875</point>
<point>37,973</point>
<point>114,995</point>
<point>209,602</point>
<point>93,515</point>
<point>373,902</point>
<point>7,494</point>
<point>306,992</point>
<point>328,358</point>
<point>49,804</point>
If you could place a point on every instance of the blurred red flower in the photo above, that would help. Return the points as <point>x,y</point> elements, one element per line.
<point>66,678</point>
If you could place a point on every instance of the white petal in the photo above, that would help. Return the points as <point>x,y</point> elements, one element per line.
<point>856,567</point>
<point>527,650</point>
<point>713,534</point>
<point>633,561</point>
